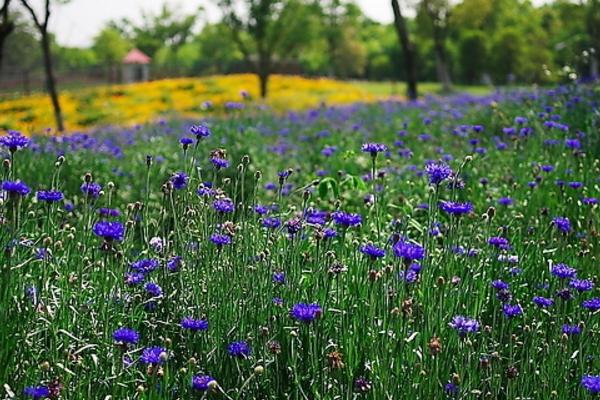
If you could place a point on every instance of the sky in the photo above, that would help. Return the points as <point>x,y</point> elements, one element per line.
<point>76,23</point>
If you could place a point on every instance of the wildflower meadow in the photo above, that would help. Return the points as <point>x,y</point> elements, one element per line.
<point>441,248</point>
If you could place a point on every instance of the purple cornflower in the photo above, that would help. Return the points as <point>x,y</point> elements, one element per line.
<point>373,148</point>
<point>563,271</point>
<point>219,162</point>
<point>154,355</point>
<point>451,389</point>
<point>500,285</point>
<point>185,142</point>
<point>512,310</point>
<point>279,277</point>
<point>134,278</point>
<point>200,131</point>
<point>271,223</point>
<point>362,385</point>
<point>192,324</point>
<point>14,141</point>
<point>437,171</point>
<point>174,263</point>
<point>153,289</point>
<point>372,251</point>
<point>145,265</point>
<point>239,349</point>
<point>505,201</point>
<point>346,219</point>
<point>571,329</point>
<point>581,285</point>
<point>408,251</point>
<point>293,226</point>
<point>543,302</point>
<point>499,242</point>
<point>306,313</point>
<point>202,382</point>
<point>591,383</point>
<point>49,196</point>
<point>126,336</point>
<point>15,188</point>
<point>562,224</point>
<point>109,230</point>
<point>37,392</point>
<point>91,189</point>
<point>592,304</point>
<point>179,180</point>
<point>589,201</point>
<point>316,217</point>
<point>224,205</point>
<point>220,239</point>
<point>109,212</point>
<point>464,325</point>
<point>455,208</point>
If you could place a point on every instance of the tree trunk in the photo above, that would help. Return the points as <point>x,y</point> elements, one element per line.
<point>51,82</point>
<point>264,71</point>
<point>407,49</point>
<point>441,60</point>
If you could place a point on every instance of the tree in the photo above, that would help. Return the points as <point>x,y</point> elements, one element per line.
<point>168,28</point>
<point>408,50</point>
<point>438,12</point>
<point>42,26</point>
<point>472,55</point>
<point>592,23</point>
<point>7,26</point>
<point>110,47</point>
<point>265,29</point>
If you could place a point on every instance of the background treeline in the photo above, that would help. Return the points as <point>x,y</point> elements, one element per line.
<point>486,41</point>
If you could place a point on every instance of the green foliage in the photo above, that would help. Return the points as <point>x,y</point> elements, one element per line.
<point>110,46</point>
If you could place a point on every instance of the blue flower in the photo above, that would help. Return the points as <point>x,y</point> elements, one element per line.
<point>372,251</point>
<point>346,219</point>
<point>455,208</point>
<point>271,223</point>
<point>464,325</point>
<point>279,277</point>
<point>91,189</point>
<point>571,329</point>
<point>562,224</point>
<point>15,188</point>
<point>109,230</point>
<point>154,355</point>
<point>437,172</point>
<point>179,180</point>
<point>219,162</point>
<point>543,302</point>
<point>37,392</point>
<point>194,324</point>
<point>224,205</point>
<point>239,349</point>
<point>49,196</point>
<point>200,131</point>
<point>153,289</point>
<point>202,382</point>
<point>408,251</point>
<point>145,265</point>
<point>563,271</point>
<point>581,285</point>
<point>126,335</point>
<point>512,310</point>
<point>220,240</point>
<point>373,148</point>
<point>592,304</point>
<point>14,141</point>
<point>591,383</point>
<point>306,313</point>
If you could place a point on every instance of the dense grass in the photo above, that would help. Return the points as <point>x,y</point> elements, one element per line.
<point>383,330</point>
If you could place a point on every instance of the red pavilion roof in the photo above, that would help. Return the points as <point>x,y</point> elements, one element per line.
<point>135,56</point>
